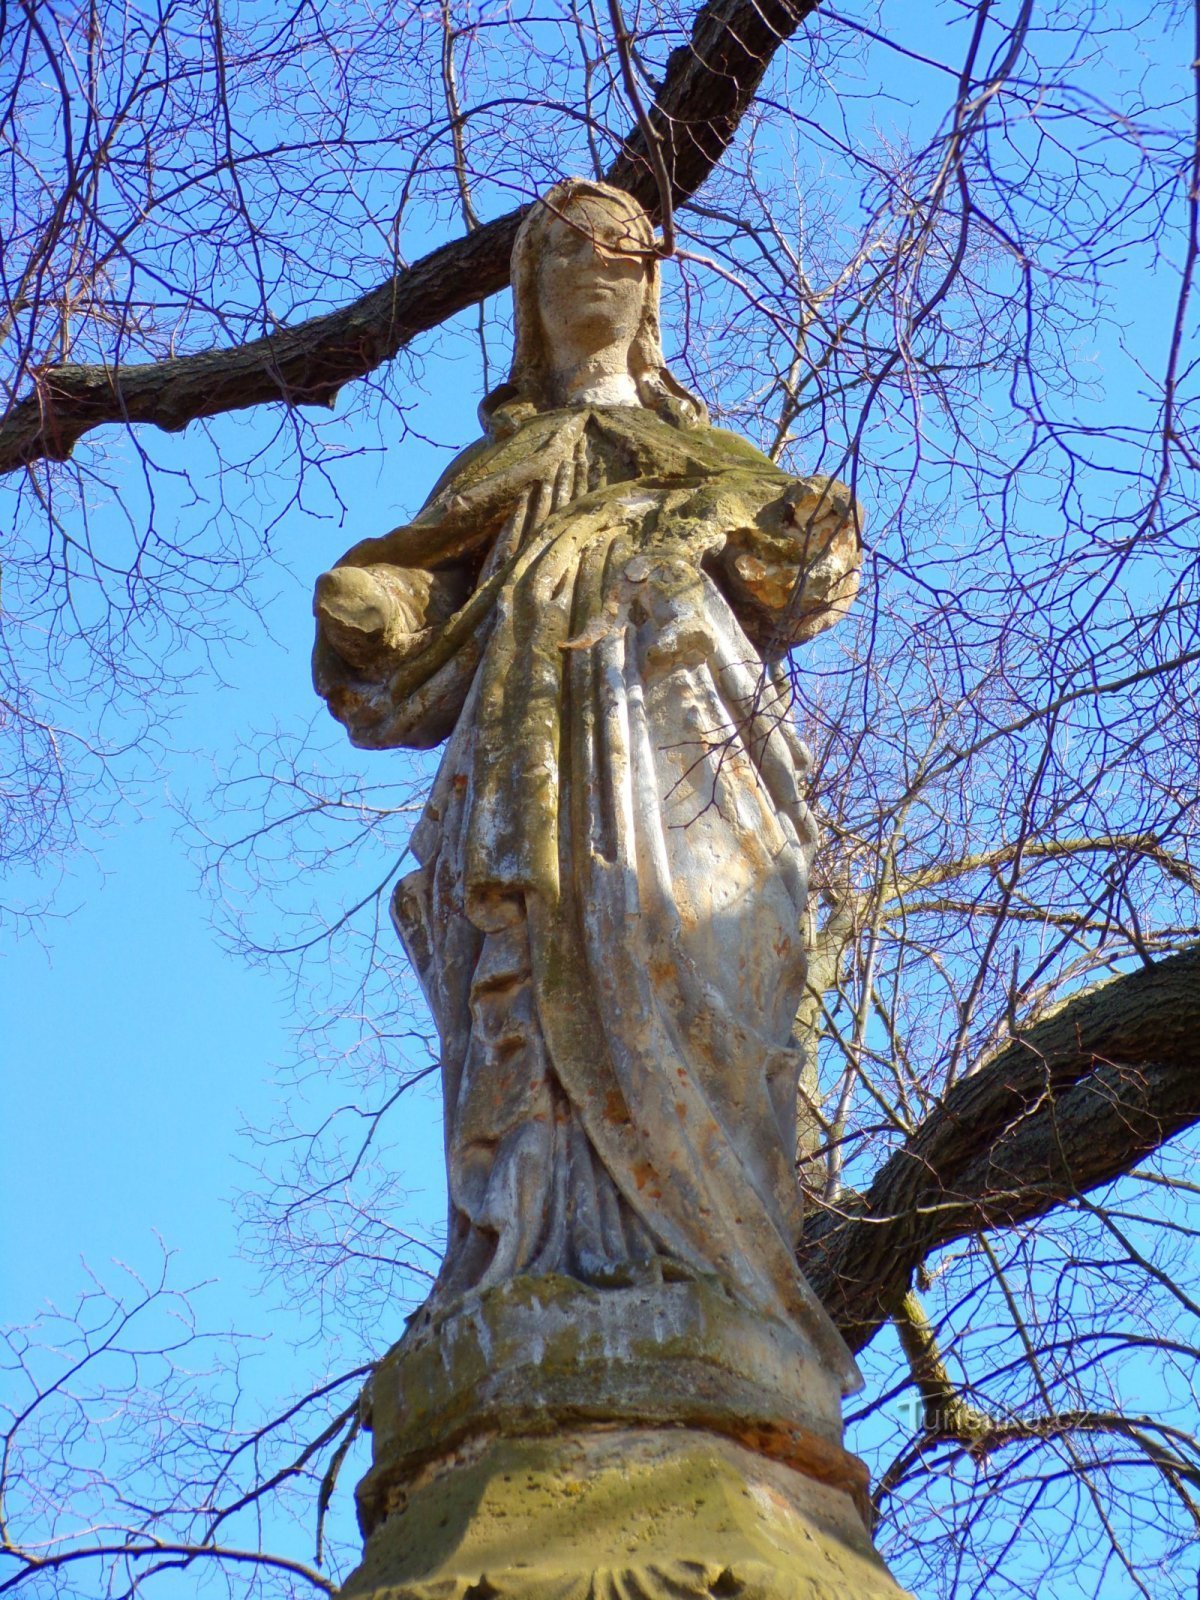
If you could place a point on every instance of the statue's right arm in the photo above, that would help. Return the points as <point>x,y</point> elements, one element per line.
<point>392,660</point>
<point>382,609</point>
<point>374,616</point>
<point>375,606</point>
<point>397,611</point>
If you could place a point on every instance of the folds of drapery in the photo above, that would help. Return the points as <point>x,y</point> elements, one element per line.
<point>626,797</point>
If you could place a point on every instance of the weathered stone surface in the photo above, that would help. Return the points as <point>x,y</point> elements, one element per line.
<point>539,1355</point>
<point>620,1515</point>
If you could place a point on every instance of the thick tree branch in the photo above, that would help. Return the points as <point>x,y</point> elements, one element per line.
<point>303,365</point>
<point>946,1414</point>
<point>707,87</point>
<point>1080,1099</point>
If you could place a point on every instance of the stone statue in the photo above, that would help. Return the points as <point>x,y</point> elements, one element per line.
<point>592,607</point>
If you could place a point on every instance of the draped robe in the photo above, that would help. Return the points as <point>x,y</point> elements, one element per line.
<point>612,868</point>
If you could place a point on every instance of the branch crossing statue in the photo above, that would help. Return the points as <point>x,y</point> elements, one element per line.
<point>620,1384</point>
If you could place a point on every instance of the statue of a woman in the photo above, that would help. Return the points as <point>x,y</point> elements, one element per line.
<point>606,918</point>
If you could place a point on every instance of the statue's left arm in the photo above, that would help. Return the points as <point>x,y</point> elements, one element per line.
<point>790,563</point>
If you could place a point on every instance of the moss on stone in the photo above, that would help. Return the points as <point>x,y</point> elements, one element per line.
<point>636,1513</point>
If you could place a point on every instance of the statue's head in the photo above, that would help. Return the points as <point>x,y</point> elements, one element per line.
<point>585,283</point>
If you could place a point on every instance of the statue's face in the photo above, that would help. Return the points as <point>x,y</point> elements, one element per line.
<point>592,279</point>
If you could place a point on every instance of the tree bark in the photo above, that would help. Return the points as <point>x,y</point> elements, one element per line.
<point>1075,1102</point>
<point>706,89</point>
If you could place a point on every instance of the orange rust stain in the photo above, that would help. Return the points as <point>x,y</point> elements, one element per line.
<point>615,1109</point>
<point>815,1457</point>
<point>642,1174</point>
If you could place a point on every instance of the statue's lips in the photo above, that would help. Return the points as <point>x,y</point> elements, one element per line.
<point>599,297</point>
<point>599,285</point>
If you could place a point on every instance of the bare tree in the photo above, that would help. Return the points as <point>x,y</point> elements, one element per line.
<point>949,256</point>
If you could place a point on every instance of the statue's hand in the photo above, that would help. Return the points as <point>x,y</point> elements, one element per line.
<point>375,616</point>
<point>794,572</point>
<point>353,611</point>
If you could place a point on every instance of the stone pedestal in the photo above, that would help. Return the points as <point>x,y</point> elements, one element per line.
<point>622,1514</point>
<point>547,1441</point>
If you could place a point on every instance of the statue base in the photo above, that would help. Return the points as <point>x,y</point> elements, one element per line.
<point>619,1514</point>
<point>538,1355</point>
<point>545,1440</point>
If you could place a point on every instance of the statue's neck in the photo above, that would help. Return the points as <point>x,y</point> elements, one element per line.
<point>596,384</point>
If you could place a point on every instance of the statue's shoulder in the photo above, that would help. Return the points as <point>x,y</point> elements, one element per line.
<point>666,446</point>
<point>735,451</point>
<point>678,430</point>
<point>459,466</point>
<point>496,453</point>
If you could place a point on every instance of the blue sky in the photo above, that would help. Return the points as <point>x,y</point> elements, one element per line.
<point>134,1045</point>
<point>136,1048</point>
